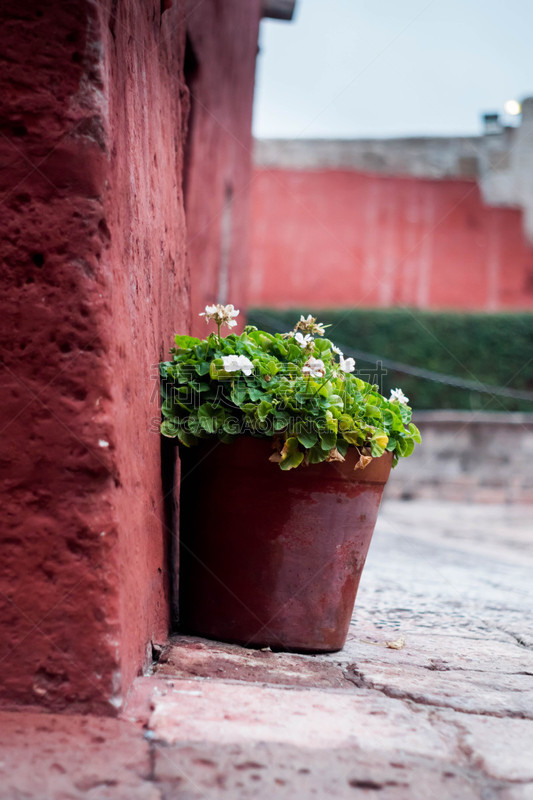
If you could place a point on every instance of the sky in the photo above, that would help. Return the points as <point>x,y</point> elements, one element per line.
<point>378,68</point>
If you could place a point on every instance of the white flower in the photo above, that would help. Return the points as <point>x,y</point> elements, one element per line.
<point>235,363</point>
<point>337,350</point>
<point>314,367</point>
<point>310,325</point>
<point>246,365</point>
<point>231,363</point>
<point>303,341</point>
<point>398,396</point>
<point>347,364</point>
<point>230,311</point>
<point>222,315</point>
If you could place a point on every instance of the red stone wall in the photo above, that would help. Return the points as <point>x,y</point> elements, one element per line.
<point>93,275</point>
<point>94,282</point>
<point>219,151</point>
<point>340,238</point>
<point>148,296</point>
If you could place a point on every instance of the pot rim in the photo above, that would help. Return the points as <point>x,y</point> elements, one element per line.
<point>254,450</point>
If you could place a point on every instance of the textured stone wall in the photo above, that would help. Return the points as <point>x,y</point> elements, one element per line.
<point>94,280</point>
<point>344,237</point>
<point>471,457</point>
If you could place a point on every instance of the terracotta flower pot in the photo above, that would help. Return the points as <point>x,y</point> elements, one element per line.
<point>273,558</point>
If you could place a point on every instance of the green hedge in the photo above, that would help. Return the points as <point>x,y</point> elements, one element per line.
<point>495,349</point>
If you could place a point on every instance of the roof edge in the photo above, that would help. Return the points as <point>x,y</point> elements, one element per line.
<point>278,9</point>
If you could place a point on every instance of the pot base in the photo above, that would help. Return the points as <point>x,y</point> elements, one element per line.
<point>271,558</point>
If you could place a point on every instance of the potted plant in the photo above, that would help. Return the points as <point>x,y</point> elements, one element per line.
<point>284,454</point>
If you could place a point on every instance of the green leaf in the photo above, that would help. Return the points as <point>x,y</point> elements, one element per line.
<point>169,428</point>
<point>353,437</point>
<point>406,413</point>
<point>215,370</point>
<point>378,443</point>
<point>336,401</point>
<point>281,420</point>
<point>316,454</point>
<point>328,439</point>
<point>307,438</point>
<point>295,353</point>
<point>404,447</point>
<point>263,410</point>
<point>332,423</point>
<point>210,417</point>
<point>346,423</point>
<point>186,342</point>
<point>186,438</point>
<point>272,367</point>
<point>388,417</point>
<point>349,430</point>
<point>163,368</point>
<point>376,449</point>
<point>255,394</point>
<point>415,433</point>
<point>239,391</point>
<point>321,346</point>
<point>291,456</point>
<point>342,447</point>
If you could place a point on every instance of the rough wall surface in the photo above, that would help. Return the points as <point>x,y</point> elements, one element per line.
<point>339,237</point>
<point>470,457</point>
<point>219,149</point>
<point>93,280</point>
<point>149,293</point>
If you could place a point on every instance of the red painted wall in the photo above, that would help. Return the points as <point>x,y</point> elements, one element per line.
<point>94,282</point>
<point>341,238</point>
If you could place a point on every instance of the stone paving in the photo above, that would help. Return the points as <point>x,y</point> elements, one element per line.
<point>444,710</point>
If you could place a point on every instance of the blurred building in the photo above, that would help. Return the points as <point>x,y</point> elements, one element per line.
<point>436,222</point>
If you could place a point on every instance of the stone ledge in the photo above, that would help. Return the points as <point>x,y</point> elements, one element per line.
<point>450,416</point>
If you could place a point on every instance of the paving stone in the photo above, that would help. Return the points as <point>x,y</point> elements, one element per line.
<point>520,792</point>
<point>191,656</point>
<point>265,770</point>
<point>502,748</point>
<point>228,713</point>
<point>70,757</point>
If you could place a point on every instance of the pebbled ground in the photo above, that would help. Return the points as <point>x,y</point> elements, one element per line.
<point>448,715</point>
